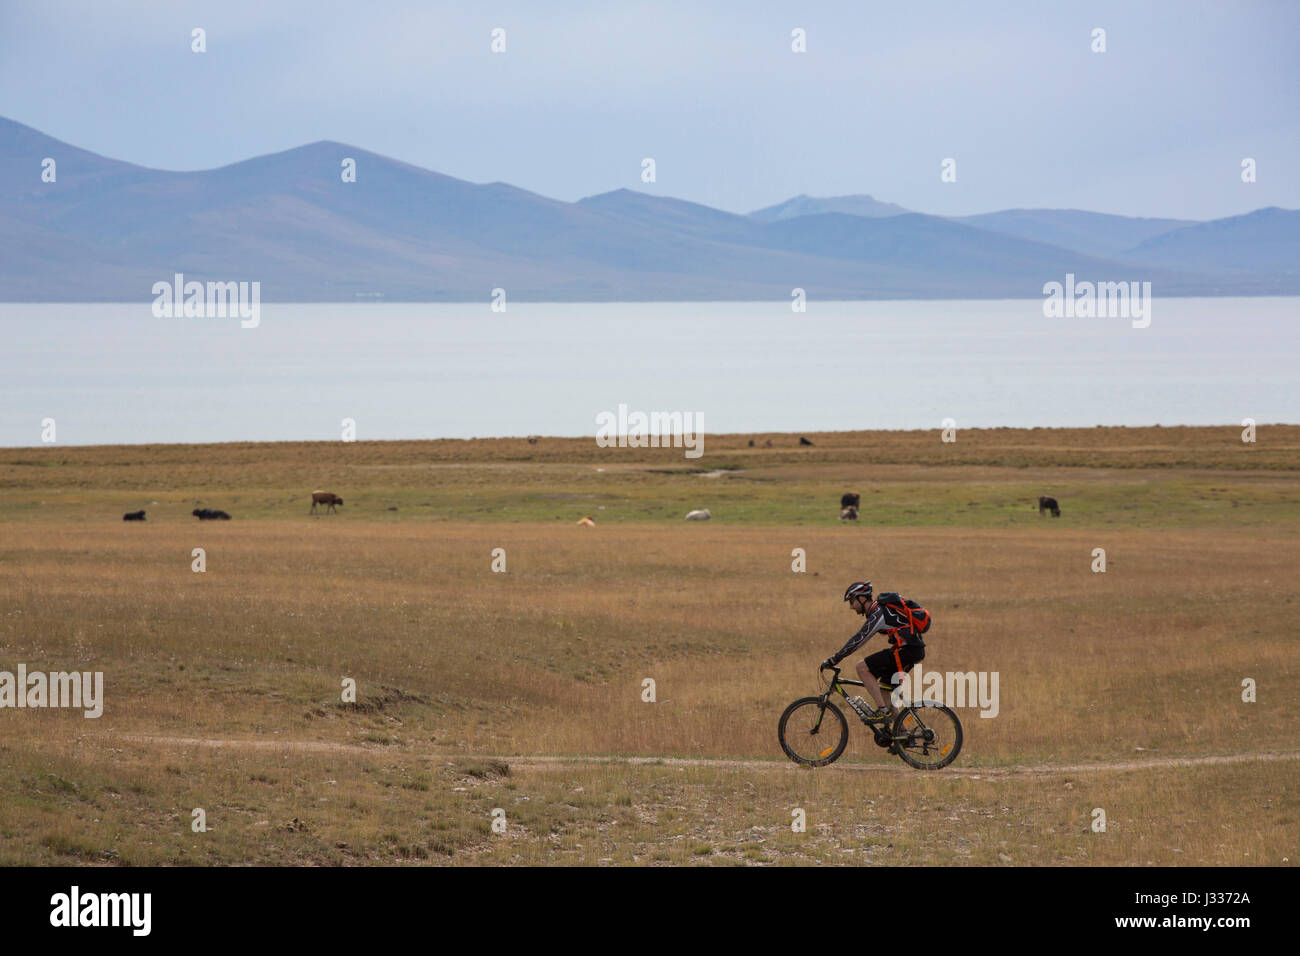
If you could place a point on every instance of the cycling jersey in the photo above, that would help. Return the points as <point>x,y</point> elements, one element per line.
<point>876,622</point>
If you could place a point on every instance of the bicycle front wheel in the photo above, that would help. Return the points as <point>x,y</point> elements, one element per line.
<point>927,735</point>
<point>812,735</point>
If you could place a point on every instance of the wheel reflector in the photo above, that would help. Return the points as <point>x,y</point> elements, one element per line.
<point>944,751</point>
<point>826,751</point>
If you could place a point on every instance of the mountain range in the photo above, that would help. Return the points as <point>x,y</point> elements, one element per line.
<point>106,230</point>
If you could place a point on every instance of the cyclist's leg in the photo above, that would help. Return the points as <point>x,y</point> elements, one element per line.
<point>874,669</point>
<point>865,675</point>
<point>908,655</point>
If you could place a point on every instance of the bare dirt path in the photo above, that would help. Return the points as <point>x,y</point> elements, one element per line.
<point>571,761</point>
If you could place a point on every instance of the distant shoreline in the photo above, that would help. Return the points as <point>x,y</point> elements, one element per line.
<point>523,299</point>
<point>722,444</point>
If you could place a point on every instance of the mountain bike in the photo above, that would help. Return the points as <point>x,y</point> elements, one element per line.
<point>813,732</point>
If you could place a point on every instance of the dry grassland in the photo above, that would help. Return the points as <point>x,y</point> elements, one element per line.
<point>223,687</point>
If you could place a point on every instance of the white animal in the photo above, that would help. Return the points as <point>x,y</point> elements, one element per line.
<point>701,515</point>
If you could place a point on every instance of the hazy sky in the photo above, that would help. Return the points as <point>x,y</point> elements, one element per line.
<point>1157,125</point>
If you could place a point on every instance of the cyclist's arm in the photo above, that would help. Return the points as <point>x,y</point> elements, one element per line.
<point>875,621</point>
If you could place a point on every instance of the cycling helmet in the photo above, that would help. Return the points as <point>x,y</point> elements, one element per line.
<point>858,589</point>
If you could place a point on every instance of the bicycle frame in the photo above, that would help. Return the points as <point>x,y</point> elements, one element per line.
<point>837,684</point>
<point>875,724</point>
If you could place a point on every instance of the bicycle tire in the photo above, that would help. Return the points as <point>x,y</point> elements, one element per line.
<point>818,757</point>
<point>946,748</point>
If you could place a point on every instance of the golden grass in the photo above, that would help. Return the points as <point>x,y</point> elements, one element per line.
<point>550,656</point>
<point>271,463</point>
<point>1142,662</point>
<point>1118,477</point>
<point>78,802</point>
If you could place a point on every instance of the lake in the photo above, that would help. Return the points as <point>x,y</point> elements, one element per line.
<point>114,373</point>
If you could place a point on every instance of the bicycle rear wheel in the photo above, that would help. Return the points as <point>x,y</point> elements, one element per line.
<point>810,735</point>
<point>927,735</point>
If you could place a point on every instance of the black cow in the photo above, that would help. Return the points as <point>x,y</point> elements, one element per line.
<point>850,500</point>
<point>134,515</point>
<point>327,498</point>
<point>804,441</point>
<point>210,514</point>
<point>1046,504</point>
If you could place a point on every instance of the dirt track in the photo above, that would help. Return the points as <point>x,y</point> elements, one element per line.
<point>568,761</point>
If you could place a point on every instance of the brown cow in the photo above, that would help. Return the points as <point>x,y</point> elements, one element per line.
<point>324,498</point>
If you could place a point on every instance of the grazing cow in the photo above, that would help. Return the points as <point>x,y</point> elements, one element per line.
<point>532,441</point>
<point>849,514</point>
<point>768,443</point>
<point>210,514</point>
<point>751,443</point>
<point>327,498</point>
<point>804,441</point>
<point>701,515</point>
<point>1046,504</point>
<point>134,515</point>
<point>586,522</point>
<point>850,500</point>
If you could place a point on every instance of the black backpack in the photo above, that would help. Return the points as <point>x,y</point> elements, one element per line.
<point>904,618</point>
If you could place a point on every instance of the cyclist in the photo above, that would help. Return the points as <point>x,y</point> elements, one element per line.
<point>877,670</point>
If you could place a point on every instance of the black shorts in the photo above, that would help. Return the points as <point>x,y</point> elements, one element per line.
<point>884,666</point>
